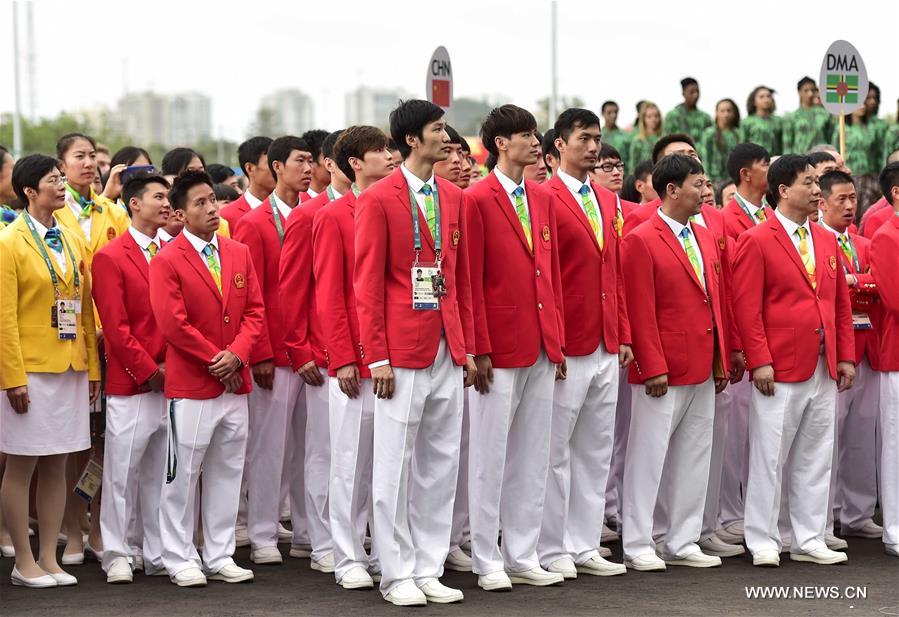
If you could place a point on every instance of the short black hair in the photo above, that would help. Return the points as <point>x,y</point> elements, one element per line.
<point>832,177</point>
<point>889,177</point>
<point>490,161</point>
<point>605,104</point>
<point>572,118</point>
<point>464,143</point>
<point>785,170</point>
<point>183,183</point>
<point>354,142</point>
<point>629,190</point>
<point>219,173</point>
<point>410,118</point>
<point>251,151</point>
<point>667,140</point>
<point>66,141</point>
<point>608,151</point>
<point>28,171</point>
<point>720,185</point>
<point>642,170</point>
<point>822,156</point>
<point>750,100</point>
<point>454,136</point>
<point>688,81</point>
<point>282,147</point>
<point>549,144</point>
<point>315,138</point>
<point>505,121</point>
<point>673,169</point>
<point>137,184</point>
<point>327,147</point>
<point>128,154</point>
<point>806,80</point>
<point>176,161</point>
<point>225,192</point>
<point>742,157</point>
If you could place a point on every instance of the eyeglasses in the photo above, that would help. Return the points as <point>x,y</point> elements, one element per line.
<point>57,180</point>
<point>609,167</point>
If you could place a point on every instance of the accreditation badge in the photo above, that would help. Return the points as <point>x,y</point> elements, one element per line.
<point>861,321</point>
<point>427,287</point>
<point>66,320</point>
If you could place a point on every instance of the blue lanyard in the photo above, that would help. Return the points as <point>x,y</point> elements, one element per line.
<point>40,245</point>
<point>277,215</point>
<point>416,226</point>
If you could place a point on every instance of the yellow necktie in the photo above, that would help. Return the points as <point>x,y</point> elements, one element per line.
<point>523,216</point>
<point>807,260</point>
<point>213,265</point>
<point>152,249</point>
<point>760,215</point>
<point>592,215</point>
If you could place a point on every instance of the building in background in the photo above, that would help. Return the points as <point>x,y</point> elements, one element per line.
<point>372,106</point>
<point>165,119</point>
<point>285,112</point>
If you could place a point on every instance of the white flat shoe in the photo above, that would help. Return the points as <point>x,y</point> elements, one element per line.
<point>535,576</point>
<point>406,594</point>
<point>891,549</point>
<point>713,545</point>
<point>608,535</point>
<point>438,593</point>
<point>869,530</point>
<point>241,537</point>
<point>267,555</point>
<point>605,552</point>
<point>63,579</point>
<point>232,573</point>
<point>834,543</point>
<point>821,556</point>
<point>284,534</point>
<point>119,572</point>
<point>300,551</point>
<point>72,559</point>
<point>695,560</point>
<point>564,566</point>
<point>495,581</point>
<point>325,564</point>
<point>650,562</point>
<point>767,558</point>
<point>38,582</point>
<point>356,578</point>
<point>8,551</point>
<point>597,566</point>
<point>89,552</point>
<point>189,577</point>
<point>458,560</point>
<point>137,563</point>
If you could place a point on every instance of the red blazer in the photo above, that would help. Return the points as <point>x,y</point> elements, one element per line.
<point>592,287</point>
<point>627,207</point>
<point>197,321</point>
<point>864,298</point>
<point>874,208</point>
<point>121,290</point>
<point>382,279</point>
<point>640,214</point>
<point>235,210</point>
<point>779,315</point>
<point>673,333</point>
<point>736,221</point>
<point>334,255</point>
<point>885,265</point>
<point>877,219</point>
<point>516,294</point>
<point>257,231</point>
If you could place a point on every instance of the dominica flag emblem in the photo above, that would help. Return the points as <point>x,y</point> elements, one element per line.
<point>842,88</point>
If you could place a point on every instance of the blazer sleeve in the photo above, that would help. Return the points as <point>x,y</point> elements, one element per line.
<point>329,266</point>
<point>884,265</point>
<point>476,249</point>
<point>89,326</point>
<point>463,285</point>
<point>295,288</point>
<point>641,307</point>
<point>12,365</point>
<point>749,290</point>
<point>369,274</point>
<point>252,323</point>
<point>248,235</point>
<point>557,274</point>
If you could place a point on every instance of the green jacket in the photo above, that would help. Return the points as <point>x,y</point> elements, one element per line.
<point>714,152</point>
<point>764,131</point>
<point>621,141</point>
<point>890,142</point>
<point>682,120</point>
<point>863,148</point>
<point>641,149</point>
<point>805,128</point>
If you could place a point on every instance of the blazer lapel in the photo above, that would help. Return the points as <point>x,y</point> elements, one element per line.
<point>508,209</point>
<point>405,197</point>
<point>578,212</point>
<point>674,244</point>
<point>608,214</point>
<point>62,278</point>
<point>819,241</point>
<point>136,255</point>
<point>787,244</point>
<point>199,264</point>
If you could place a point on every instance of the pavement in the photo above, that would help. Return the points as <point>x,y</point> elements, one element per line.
<point>294,590</point>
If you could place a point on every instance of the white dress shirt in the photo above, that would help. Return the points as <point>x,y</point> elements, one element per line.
<point>677,229</point>
<point>574,185</point>
<point>283,209</point>
<point>791,228</point>
<point>510,187</point>
<point>415,183</point>
<point>312,193</point>
<point>84,223</point>
<point>750,206</point>
<point>254,201</point>
<point>58,256</point>
<point>143,241</point>
<point>164,235</point>
<point>199,244</point>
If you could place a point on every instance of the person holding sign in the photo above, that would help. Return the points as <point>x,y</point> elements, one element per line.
<point>792,307</point>
<point>49,368</point>
<point>208,306</point>
<point>414,335</point>
<point>853,482</point>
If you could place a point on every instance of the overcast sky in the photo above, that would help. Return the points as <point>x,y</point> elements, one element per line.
<point>90,52</point>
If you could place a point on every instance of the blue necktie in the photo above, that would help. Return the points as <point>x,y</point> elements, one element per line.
<point>53,239</point>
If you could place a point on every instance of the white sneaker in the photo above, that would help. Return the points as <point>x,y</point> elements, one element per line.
<point>300,551</point>
<point>605,552</point>
<point>495,581</point>
<point>457,560</point>
<point>608,535</point>
<point>834,543</point>
<point>650,562</point>
<point>822,556</point>
<point>438,593</point>
<point>241,537</point>
<point>232,573</point>
<point>713,545</point>
<point>189,577</point>
<point>695,560</point>
<point>356,578</point>
<point>892,549</point>
<point>766,558</point>
<point>535,576</point>
<point>406,594</point>
<point>284,534</point>
<point>266,555</point>
<point>564,566</point>
<point>119,572</point>
<point>325,564</point>
<point>869,530</point>
<point>597,566</point>
<point>38,582</point>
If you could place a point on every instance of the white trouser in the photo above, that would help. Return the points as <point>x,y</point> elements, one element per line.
<point>294,469</point>
<point>508,460</point>
<point>208,435</point>
<point>461,532</point>
<point>352,435</point>
<point>889,456</point>
<point>790,449</point>
<point>316,469</point>
<point>619,449</point>
<point>736,453</point>
<point>133,471</point>
<point>266,441</point>
<point>853,480</point>
<point>723,411</point>
<point>416,458</point>
<point>669,447</point>
<point>580,451</point>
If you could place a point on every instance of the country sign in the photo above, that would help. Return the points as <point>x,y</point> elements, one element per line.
<point>440,79</point>
<point>843,80</point>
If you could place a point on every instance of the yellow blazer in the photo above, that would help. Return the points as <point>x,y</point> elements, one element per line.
<point>105,226</point>
<point>224,229</point>
<point>28,343</point>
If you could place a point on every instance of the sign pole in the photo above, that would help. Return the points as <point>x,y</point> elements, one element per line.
<point>843,135</point>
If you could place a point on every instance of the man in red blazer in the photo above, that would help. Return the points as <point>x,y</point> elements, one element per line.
<point>363,158</point>
<point>413,343</point>
<point>253,159</point>
<point>747,165</point>
<point>597,343</point>
<point>884,213</point>
<point>678,318</point>
<point>206,300</point>
<point>516,295</point>
<point>853,479</point>
<point>793,311</point>
<point>135,443</point>
<point>885,265</point>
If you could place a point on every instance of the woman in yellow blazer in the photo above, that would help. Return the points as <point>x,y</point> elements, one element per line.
<point>49,368</point>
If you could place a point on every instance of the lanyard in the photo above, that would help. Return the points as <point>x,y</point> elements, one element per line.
<point>356,189</point>
<point>852,252</point>
<point>277,215</point>
<point>40,244</point>
<point>331,195</point>
<point>416,226</point>
<point>743,205</point>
